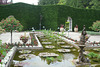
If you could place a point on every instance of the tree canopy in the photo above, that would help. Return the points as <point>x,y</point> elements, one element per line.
<point>48,2</point>
<point>93,4</point>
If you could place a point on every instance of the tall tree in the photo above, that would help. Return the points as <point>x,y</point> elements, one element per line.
<point>76,3</point>
<point>48,2</point>
<point>71,3</point>
<point>95,4</point>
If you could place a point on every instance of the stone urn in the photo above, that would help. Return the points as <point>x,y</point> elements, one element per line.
<point>62,28</point>
<point>76,28</point>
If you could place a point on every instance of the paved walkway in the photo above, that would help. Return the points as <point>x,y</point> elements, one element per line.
<point>76,36</point>
<point>6,37</point>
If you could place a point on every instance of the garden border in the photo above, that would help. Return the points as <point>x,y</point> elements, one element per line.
<point>34,47</point>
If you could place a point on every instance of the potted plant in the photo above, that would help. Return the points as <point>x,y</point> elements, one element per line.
<point>24,38</point>
<point>76,28</point>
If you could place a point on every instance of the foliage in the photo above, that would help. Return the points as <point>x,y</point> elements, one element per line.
<point>98,57</point>
<point>53,16</point>
<point>0,42</point>
<point>72,3</point>
<point>92,55</point>
<point>48,2</point>
<point>66,26</point>
<point>50,58</point>
<point>3,51</point>
<point>1,30</point>
<point>95,26</point>
<point>24,37</point>
<point>59,58</point>
<point>10,23</point>
<point>94,4</point>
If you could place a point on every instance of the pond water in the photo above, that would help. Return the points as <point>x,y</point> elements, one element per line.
<point>63,60</point>
<point>37,61</point>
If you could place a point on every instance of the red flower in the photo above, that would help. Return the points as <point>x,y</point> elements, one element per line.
<point>0,60</point>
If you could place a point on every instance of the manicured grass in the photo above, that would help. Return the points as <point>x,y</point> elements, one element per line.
<point>92,32</point>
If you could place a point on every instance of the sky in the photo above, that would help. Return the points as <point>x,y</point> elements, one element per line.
<point>35,2</point>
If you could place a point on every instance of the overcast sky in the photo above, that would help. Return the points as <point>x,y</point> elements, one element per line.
<point>35,2</point>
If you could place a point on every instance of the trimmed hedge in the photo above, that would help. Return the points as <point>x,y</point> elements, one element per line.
<point>79,16</point>
<point>50,14</point>
<point>28,15</point>
<point>53,16</point>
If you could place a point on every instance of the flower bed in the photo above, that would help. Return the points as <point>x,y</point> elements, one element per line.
<point>8,57</point>
<point>33,40</point>
<point>3,51</point>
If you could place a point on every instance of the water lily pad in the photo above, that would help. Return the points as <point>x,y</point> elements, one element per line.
<point>49,46</point>
<point>25,51</point>
<point>67,46</point>
<point>64,50</point>
<point>26,56</point>
<point>46,54</point>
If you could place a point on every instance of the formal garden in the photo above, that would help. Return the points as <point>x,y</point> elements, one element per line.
<point>49,36</point>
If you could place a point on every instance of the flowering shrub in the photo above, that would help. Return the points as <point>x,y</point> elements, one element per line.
<point>3,51</point>
<point>1,30</point>
<point>23,37</point>
<point>11,23</point>
<point>95,26</point>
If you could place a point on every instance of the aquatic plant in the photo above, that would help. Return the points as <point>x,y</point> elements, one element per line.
<point>92,55</point>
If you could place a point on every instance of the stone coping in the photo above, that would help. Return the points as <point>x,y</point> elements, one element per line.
<point>69,41</point>
<point>9,56</point>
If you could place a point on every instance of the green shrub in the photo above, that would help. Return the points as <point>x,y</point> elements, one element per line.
<point>96,26</point>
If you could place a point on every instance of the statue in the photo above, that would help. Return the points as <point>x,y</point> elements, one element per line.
<point>40,20</point>
<point>33,29</point>
<point>82,38</point>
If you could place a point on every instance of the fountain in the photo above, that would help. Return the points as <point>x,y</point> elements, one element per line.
<point>82,60</point>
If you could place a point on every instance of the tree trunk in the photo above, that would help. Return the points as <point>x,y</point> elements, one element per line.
<point>11,36</point>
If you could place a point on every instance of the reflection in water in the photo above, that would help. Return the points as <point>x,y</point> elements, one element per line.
<point>38,62</point>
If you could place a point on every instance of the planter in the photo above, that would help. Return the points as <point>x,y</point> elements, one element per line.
<point>75,29</point>
<point>61,29</point>
<point>24,40</point>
